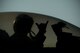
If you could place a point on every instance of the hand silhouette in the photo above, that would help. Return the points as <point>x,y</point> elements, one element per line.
<point>42,27</point>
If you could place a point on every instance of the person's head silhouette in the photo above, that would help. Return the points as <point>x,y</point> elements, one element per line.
<point>23,24</point>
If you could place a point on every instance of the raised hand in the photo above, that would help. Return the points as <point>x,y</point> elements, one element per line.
<point>42,27</point>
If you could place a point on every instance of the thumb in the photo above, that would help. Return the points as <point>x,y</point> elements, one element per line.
<point>37,24</point>
<point>47,23</point>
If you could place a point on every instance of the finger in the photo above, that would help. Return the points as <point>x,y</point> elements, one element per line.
<point>47,23</point>
<point>37,24</point>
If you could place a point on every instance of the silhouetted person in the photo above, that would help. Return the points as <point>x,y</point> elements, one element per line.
<point>22,27</point>
<point>3,39</point>
<point>64,40</point>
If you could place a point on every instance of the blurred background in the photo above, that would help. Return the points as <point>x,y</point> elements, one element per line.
<point>67,10</point>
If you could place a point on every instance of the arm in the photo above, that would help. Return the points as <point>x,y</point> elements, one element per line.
<point>40,37</point>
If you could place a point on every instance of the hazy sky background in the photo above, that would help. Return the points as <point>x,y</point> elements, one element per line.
<point>68,10</point>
